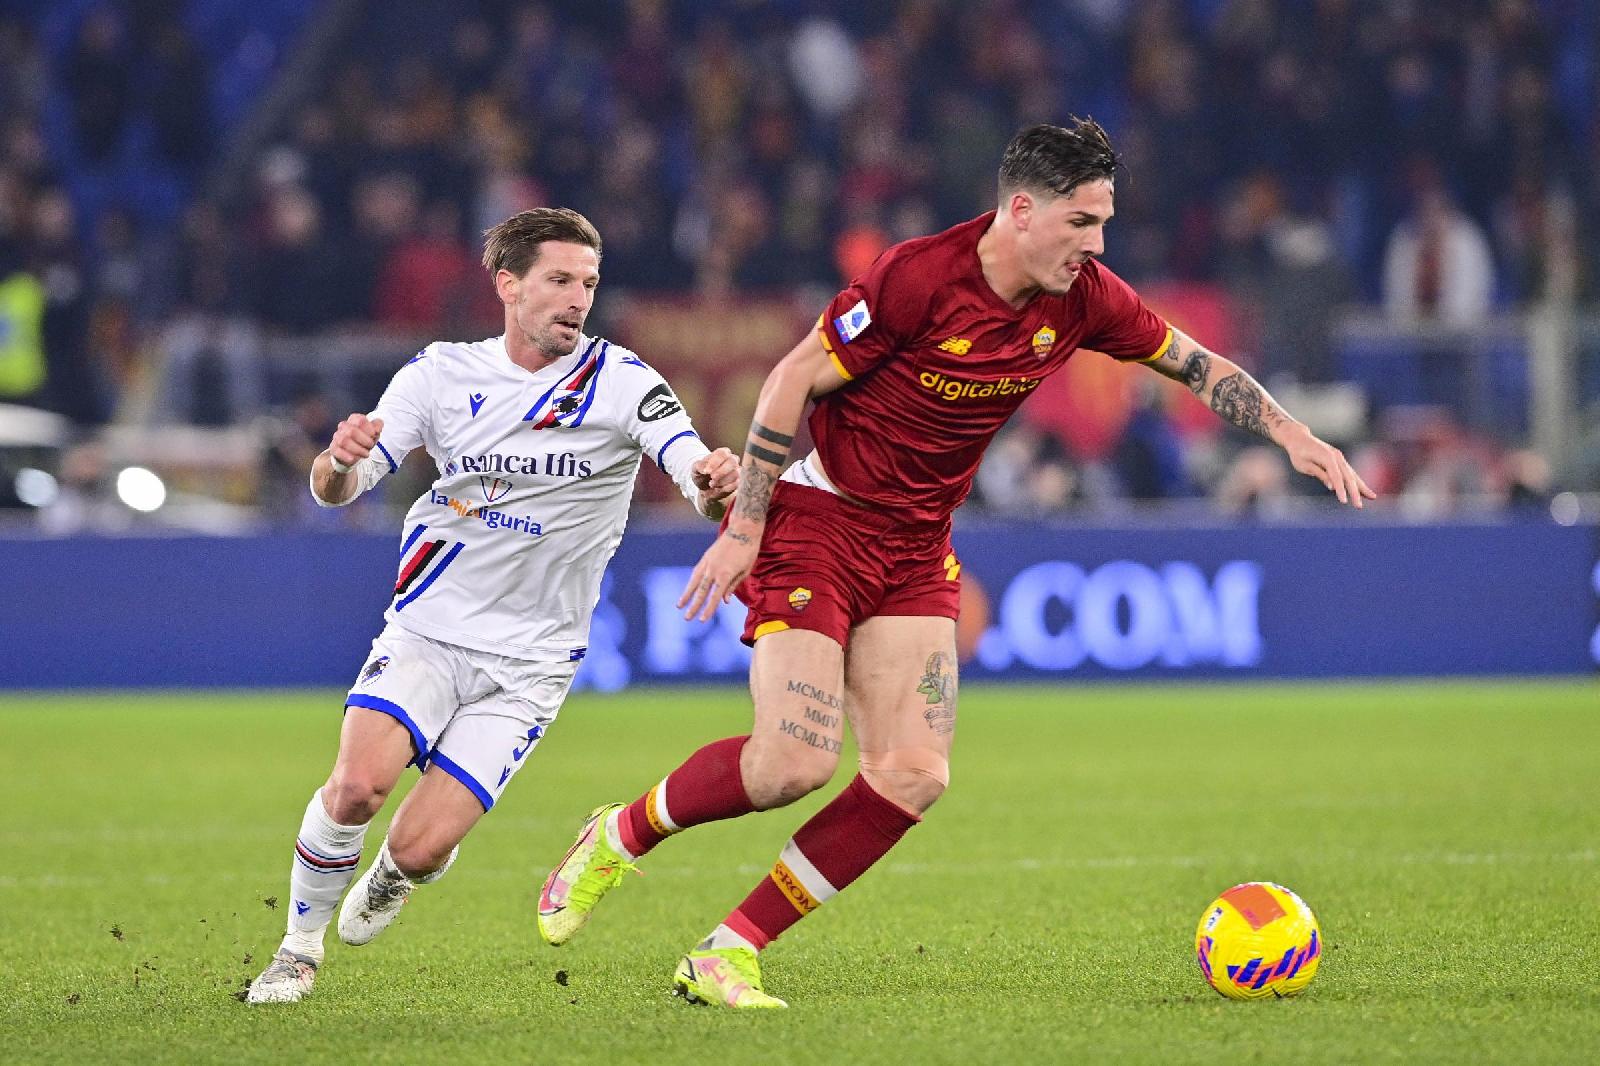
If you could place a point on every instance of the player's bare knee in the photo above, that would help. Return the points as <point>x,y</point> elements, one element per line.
<point>911,791</point>
<point>781,784</point>
<point>913,778</point>
<point>353,798</point>
<point>780,772</point>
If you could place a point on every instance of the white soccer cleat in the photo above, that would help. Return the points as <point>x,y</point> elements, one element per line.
<point>287,980</point>
<point>370,905</point>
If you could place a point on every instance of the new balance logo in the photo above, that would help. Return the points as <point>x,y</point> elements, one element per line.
<point>956,346</point>
<point>476,400</point>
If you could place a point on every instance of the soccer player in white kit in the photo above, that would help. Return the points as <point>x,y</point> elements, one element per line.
<point>538,436</point>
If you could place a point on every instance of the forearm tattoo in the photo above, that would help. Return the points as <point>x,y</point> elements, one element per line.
<point>939,686</point>
<point>755,492</point>
<point>760,437</point>
<point>758,430</point>
<point>1195,370</point>
<point>1240,400</point>
<point>755,483</point>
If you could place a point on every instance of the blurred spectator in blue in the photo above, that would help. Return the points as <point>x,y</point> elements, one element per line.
<point>1149,457</point>
<point>78,384</point>
<point>179,88</point>
<point>98,76</point>
<point>297,271</point>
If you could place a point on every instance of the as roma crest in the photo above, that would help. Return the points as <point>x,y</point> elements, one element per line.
<point>1043,341</point>
<point>799,598</point>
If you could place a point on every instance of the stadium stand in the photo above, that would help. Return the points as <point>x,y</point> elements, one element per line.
<point>1388,213</point>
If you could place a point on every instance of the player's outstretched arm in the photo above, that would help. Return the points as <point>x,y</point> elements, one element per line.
<point>804,373</point>
<point>352,442</point>
<point>1241,400</point>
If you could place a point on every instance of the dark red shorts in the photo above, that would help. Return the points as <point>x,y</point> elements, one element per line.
<point>827,565</point>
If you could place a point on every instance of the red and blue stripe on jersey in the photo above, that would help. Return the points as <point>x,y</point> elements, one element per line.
<point>428,559</point>
<point>567,401</point>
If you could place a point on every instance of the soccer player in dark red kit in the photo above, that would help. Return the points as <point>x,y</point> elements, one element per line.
<point>845,560</point>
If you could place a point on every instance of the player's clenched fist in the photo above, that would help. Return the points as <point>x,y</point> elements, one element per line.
<point>354,439</point>
<point>716,474</point>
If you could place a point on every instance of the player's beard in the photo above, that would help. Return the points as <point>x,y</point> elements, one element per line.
<point>552,341</point>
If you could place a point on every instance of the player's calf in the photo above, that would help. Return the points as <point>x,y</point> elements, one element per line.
<point>375,900</point>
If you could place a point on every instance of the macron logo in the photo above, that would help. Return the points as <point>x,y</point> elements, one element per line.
<point>850,324</point>
<point>476,400</point>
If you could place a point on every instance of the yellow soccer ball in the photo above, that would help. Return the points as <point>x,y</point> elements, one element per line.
<point>1256,940</point>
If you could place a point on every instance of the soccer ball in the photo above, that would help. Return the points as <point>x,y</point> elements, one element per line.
<point>1256,940</point>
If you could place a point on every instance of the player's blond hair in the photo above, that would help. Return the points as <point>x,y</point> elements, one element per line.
<point>514,244</point>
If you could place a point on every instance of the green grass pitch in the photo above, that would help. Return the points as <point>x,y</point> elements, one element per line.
<point>1445,833</point>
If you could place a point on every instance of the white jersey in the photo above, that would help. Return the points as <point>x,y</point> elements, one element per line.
<point>505,551</point>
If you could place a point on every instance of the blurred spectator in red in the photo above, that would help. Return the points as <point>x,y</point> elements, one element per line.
<point>385,213</point>
<point>861,240</point>
<point>432,283</point>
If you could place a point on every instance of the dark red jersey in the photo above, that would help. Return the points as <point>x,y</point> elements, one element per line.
<point>937,362</point>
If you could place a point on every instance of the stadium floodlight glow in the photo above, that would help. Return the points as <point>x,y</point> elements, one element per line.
<point>1565,508</point>
<point>141,489</point>
<point>36,488</point>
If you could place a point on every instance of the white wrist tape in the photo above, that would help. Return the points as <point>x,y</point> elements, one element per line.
<point>338,467</point>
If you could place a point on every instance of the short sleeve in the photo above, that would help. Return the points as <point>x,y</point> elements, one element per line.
<point>659,425</point>
<point>1124,328</point>
<point>403,407</point>
<point>877,315</point>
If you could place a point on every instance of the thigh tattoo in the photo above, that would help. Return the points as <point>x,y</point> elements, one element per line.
<point>818,720</point>
<point>939,686</point>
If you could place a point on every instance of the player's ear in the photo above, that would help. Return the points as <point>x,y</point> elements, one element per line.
<point>1021,207</point>
<point>506,285</point>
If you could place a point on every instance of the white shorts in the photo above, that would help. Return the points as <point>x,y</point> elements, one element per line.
<point>473,714</point>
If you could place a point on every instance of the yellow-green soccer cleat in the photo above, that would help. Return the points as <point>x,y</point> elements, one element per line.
<point>728,977</point>
<point>588,871</point>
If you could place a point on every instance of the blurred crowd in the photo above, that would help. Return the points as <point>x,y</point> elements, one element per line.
<point>1437,161</point>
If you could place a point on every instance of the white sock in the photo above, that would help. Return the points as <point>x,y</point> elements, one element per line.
<point>614,835</point>
<point>722,938</point>
<point>384,870</point>
<point>326,855</point>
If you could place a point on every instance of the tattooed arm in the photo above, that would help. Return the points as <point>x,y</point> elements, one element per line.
<point>1241,401</point>
<point>805,373</point>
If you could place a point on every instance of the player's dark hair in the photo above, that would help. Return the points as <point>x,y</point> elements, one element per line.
<point>514,244</point>
<point>1057,159</point>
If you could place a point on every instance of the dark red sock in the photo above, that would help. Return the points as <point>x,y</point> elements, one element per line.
<point>827,853</point>
<point>706,788</point>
